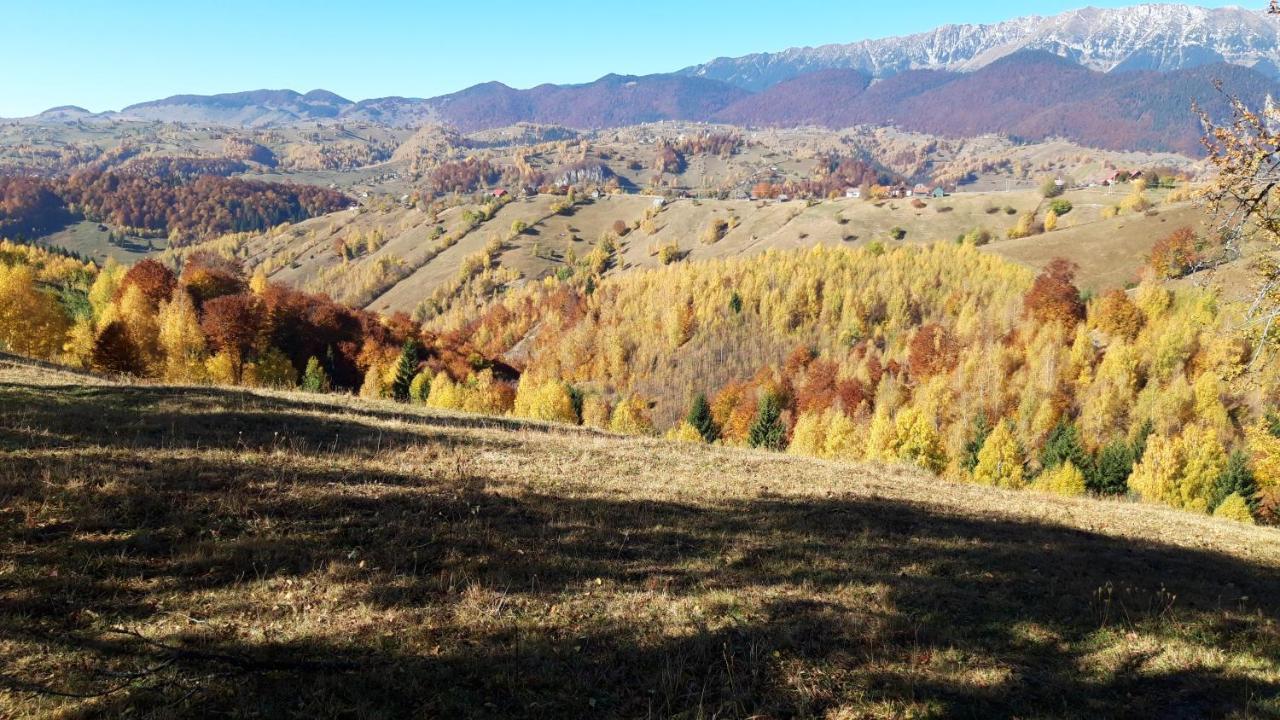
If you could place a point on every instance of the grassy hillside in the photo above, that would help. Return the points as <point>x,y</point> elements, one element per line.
<point>207,552</point>
<point>379,166</point>
<point>1110,251</point>
<point>92,242</point>
<point>414,257</point>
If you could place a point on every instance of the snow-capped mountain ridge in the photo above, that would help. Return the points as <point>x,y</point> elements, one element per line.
<point>1140,37</point>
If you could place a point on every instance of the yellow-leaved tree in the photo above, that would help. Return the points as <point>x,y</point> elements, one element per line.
<point>596,411</point>
<point>484,394</point>
<point>549,401</point>
<point>224,368</point>
<point>77,349</point>
<point>844,438</point>
<point>32,323</point>
<point>809,435</point>
<point>135,310</point>
<point>631,417</point>
<point>258,283</point>
<point>374,385</point>
<point>1001,461</point>
<point>918,441</point>
<point>1180,471</point>
<point>105,287</point>
<point>1235,508</point>
<point>182,341</point>
<point>444,393</point>
<point>685,432</point>
<point>1065,479</point>
<point>882,438</point>
<point>272,369</point>
<point>1264,451</point>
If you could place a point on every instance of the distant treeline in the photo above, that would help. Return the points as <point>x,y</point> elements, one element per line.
<point>182,198</point>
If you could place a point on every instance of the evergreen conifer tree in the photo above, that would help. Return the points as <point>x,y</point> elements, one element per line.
<point>700,418</point>
<point>1236,479</point>
<point>1109,475</point>
<point>406,369</point>
<point>1140,440</point>
<point>981,429</point>
<point>1063,446</point>
<point>767,430</point>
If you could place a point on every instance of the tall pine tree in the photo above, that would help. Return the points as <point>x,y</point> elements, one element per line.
<point>406,369</point>
<point>701,420</point>
<point>981,429</point>
<point>767,430</point>
<point>1109,474</point>
<point>1236,479</point>
<point>1063,446</point>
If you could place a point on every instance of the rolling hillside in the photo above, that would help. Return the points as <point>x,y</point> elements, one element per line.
<point>411,264</point>
<point>194,552</point>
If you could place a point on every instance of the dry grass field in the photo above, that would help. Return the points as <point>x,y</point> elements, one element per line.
<point>202,552</point>
<point>87,239</point>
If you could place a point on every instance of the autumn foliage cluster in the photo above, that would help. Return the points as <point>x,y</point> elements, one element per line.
<point>171,197</point>
<point>181,168</point>
<point>831,176</point>
<point>28,207</point>
<point>943,357</point>
<point>204,207</point>
<point>462,176</point>
<point>208,323</point>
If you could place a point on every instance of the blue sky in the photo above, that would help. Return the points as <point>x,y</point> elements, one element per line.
<point>105,55</point>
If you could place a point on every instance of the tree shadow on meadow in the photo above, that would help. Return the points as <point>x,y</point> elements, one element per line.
<point>145,417</point>
<point>770,607</point>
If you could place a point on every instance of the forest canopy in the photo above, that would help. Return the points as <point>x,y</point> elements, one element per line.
<point>170,197</point>
<point>941,356</point>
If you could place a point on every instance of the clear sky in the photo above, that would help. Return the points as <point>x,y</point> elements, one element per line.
<point>105,55</point>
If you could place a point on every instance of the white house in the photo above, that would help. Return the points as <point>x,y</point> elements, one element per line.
<point>853,193</point>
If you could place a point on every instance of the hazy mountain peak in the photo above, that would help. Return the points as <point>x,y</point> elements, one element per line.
<point>324,96</point>
<point>65,112</point>
<point>250,107</point>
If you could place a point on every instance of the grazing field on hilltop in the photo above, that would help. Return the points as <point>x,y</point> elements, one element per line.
<point>91,242</point>
<point>196,552</point>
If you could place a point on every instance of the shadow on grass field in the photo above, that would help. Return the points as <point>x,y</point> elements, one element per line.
<point>180,552</point>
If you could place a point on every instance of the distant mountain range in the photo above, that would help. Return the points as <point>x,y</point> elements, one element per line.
<point>613,100</point>
<point>256,107</point>
<point>1118,79</point>
<point>1140,37</point>
<point>1031,95</point>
